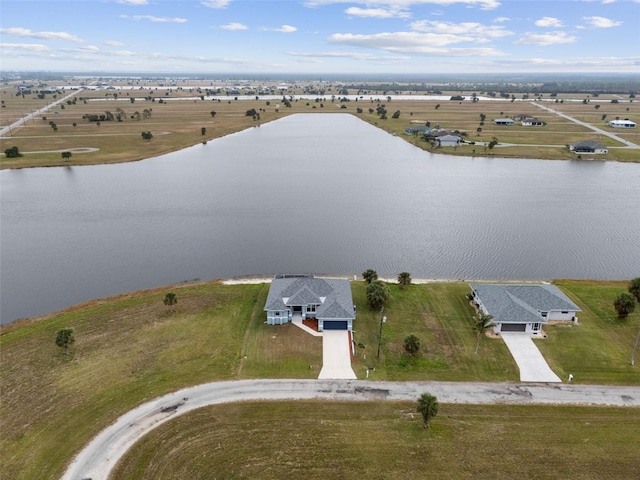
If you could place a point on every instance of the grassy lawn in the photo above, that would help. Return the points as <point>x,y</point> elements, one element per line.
<point>374,440</point>
<point>132,348</point>
<point>176,123</point>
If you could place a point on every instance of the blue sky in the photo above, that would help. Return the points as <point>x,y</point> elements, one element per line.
<point>321,36</point>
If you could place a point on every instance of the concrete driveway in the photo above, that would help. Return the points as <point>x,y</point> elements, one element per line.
<point>336,355</point>
<point>533,367</point>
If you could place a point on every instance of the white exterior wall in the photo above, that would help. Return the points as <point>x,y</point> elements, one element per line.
<point>273,319</point>
<point>558,315</point>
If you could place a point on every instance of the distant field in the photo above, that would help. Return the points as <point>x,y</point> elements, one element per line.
<point>371,440</point>
<point>179,114</point>
<point>132,348</point>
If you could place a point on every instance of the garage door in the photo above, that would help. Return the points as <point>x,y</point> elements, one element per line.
<point>513,327</point>
<point>335,325</point>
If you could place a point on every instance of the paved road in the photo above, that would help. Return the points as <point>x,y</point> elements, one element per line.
<point>588,125</point>
<point>533,367</point>
<point>98,458</point>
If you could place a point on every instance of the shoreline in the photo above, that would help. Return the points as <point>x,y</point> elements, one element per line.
<point>256,280</point>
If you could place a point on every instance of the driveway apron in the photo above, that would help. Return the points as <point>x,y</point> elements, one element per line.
<point>336,355</point>
<point>533,367</point>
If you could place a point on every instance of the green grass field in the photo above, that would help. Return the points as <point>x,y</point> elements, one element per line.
<point>132,348</point>
<point>380,440</point>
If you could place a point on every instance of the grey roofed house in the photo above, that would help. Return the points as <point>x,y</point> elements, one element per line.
<point>523,308</point>
<point>448,140</point>
<point>588,146</point>
<point>298,297</point>
<point>504,121</point>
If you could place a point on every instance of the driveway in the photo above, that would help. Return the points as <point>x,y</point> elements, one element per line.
<point>336,355</point>
<point>533,367</point>
<point>99,457</point>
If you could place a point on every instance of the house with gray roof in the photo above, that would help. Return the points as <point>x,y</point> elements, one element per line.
<point>523,308</point>
<point>504,121</point>
<point>588,146</point>
<point>448,141</point>
<point>299,297</point>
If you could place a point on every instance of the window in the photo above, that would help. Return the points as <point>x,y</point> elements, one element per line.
<point>311,308</point>
<point>277,314</point>
<point>566,312</point>
<point>544,314</point>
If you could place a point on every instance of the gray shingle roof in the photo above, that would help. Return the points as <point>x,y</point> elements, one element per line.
<point>521,303</point>
<point>332,295</point>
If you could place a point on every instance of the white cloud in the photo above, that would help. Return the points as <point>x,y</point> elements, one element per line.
<point>34,47</point>
<point>544,39</point>
<point>601,22</point>
<point>134,2</point>
<point>113,43</point>
<point>479,31</point>
<point>501,19</point>
<point>605,2</point>
<point>25,32</point>
<point>413,43</point>
<point>549,22</point>
<point>483,4</point>
<point>285,29</point>
<point>234,26</point>
<point>216,3</point>
<point>154,19</point>
<point>377,12</point>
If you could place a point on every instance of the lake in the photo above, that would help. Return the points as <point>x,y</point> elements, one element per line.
<point>311,193</point>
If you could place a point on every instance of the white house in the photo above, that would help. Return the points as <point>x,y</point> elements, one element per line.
<point>504,121</point>
<point>448,141</point>
<point>531,122</point>
<point>298,297</point>
<point>588,146</point>
<point>523,308</point>
<point>622,124</point>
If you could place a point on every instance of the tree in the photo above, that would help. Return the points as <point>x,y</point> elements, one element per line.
<point>12,152</point>
<point>404,280</point>
<point>377,294</point>
<point>493,143</point>
<point>213,114</point>
<point>411,344</point>
<point>427,407</point>
<point>203,131</point>
<point>370,275</point>
<point>481,324</point>
<point>170,299</point>
<point>634,288</point>
<point>624,304</point>
<point>396,114</point>
<point>147,135</point>
<point>66,155</point>
<point>64,339</point>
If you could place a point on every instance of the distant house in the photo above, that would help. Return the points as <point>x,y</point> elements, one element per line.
<point>622,124</point>
<point>531,122</point>
<point>448,141</point>
<point>298,297</point>
<point>523,308</point>
<point>504,121</point>
<point>417,130</point>
<point>588,146</point>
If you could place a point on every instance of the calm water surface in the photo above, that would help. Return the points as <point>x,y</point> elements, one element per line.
<point>323,194</point>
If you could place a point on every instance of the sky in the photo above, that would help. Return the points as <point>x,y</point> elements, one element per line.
<point>321,36</point>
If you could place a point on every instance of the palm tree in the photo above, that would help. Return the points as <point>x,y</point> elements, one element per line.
<point>170,299</point>
<point>427,407</point>
<point>370,275</point>
<point>412,344</point>
<point>377,294</point>
<point>404,280</point>
<point>481,324</point>
<point>64,339</point>
<point>625,303</point>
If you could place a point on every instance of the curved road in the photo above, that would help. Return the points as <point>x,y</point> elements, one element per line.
<point>101,455</point>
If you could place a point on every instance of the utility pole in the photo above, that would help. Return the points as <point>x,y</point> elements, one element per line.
<point>382,320</point>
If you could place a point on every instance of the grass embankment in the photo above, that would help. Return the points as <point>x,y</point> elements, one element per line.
<point>320,440</point>
<point>176,123</point>
<point>132,348</point>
